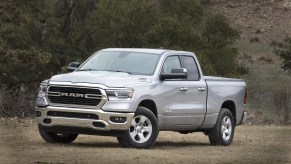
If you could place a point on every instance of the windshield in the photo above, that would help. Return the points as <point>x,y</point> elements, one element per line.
<point>119,61</point>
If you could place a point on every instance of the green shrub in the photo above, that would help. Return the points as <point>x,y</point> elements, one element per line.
<point>38,39</point>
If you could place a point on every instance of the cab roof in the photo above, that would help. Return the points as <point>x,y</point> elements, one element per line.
<point>144,50</point>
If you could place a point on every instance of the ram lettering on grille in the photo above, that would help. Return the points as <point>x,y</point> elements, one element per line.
<point>74,96</point>
<point>71,94</point>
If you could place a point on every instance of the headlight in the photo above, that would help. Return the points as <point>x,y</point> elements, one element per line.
<point>119,94</point>
<point>42,90</point>
<point>41,100</point>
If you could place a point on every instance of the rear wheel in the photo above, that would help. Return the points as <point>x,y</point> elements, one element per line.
<point>55,137</point>
<point>222,133</point>
<point>143,131</point>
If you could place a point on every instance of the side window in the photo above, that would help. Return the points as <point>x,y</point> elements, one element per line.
<point>170,63</point>
<point>191,66</point>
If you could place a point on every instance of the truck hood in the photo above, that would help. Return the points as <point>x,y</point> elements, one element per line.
<point>110,79</point>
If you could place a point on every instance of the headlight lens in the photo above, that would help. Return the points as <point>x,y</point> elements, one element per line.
<point>41,100</point>
<point>42,90</point>
<point>119,94</point>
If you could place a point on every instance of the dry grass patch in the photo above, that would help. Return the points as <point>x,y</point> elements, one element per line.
<point>20,142</point>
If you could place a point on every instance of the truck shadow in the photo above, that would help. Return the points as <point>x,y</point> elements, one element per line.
<point>96,144</point>
<point>157,145</point>
<point>165,144</point>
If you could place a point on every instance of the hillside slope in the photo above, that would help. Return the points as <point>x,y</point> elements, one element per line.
<point>264,25</point>
<point>268,20</point>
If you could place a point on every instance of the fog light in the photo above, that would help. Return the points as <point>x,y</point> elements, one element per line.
<point>47,121</point>
<point>37,114</point>
<point>118,119</point>
<point>98,124</point>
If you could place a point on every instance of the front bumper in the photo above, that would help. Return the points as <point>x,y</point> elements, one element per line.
<point>103,119</point>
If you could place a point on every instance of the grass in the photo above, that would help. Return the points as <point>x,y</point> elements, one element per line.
<point>255,49</point>
<point>20,142</point>
<point>265,81</point>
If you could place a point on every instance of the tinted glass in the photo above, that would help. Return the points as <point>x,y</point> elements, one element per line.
<point>130,62</point>
<point>191,66</point>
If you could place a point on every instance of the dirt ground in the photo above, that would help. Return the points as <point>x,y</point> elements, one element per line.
<point>21,143</point>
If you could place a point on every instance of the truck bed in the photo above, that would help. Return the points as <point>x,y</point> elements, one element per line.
<point>221,90</point>
<point>214,78</point>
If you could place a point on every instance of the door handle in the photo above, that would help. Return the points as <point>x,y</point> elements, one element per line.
<point>201,89</point>
<point>184,89</point>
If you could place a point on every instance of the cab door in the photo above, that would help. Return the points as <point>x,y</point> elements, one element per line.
<point>184,100</point>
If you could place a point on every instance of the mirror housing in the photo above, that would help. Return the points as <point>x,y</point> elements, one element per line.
<point>73,66</point>
<point>176,73</point>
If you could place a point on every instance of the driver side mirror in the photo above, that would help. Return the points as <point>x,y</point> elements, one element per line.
<point>176,73</point>
<point>73,66</point>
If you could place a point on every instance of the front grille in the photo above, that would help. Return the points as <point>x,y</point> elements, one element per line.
<point>73,115</point>
<point>74,96</point>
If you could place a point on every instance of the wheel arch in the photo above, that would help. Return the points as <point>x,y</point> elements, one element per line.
<point>151,105</point>
<point>230,105</point>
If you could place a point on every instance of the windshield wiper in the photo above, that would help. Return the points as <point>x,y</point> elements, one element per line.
<point>104,70</point>
<point>87,70</point>
<point>117,71</point>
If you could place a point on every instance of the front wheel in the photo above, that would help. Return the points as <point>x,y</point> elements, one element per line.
<point>143,131</point>
<point>222,133</point>
<point>54,137</point>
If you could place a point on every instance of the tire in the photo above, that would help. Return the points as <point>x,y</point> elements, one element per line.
<point>223,132</point>
<point>54,137</point>
<point>143,131</point>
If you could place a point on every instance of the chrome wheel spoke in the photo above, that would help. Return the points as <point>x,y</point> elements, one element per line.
<point>226,131</point>
<point>132,134</point>
<point>133,123</point>
<point>148,129</point>
<point>142,138</point>
<point>224,136</point>
<point>143,119</point>
<point>228,122</point>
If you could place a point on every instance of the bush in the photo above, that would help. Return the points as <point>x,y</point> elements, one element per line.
<point>285,55</point>
<point>38,39</point>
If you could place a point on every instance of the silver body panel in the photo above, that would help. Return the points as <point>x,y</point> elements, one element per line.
<point>104,117</point>
<point>177,109</point>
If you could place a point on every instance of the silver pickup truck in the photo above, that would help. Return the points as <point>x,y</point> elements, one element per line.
<point>135,93</point>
